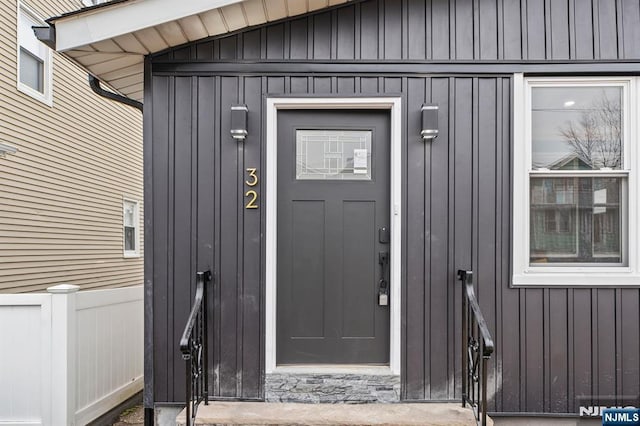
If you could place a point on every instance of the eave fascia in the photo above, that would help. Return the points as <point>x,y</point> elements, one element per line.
<point>82,29</point>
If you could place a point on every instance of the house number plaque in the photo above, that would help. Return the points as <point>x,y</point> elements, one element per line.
<point>252,195</point>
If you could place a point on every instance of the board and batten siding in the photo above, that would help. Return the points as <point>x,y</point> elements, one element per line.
<point>554,345</point>
<point>441,30</point>
<point>197,214</point>
<point>61,194</point>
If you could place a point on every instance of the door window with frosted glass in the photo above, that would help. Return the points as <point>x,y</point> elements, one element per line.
<point>333,155</point>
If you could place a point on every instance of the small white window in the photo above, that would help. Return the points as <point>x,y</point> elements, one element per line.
<point>130,221</point>
<point>34,58</point>
<point>575,181</point>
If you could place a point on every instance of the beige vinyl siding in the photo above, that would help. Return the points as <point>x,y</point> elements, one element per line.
<point>61,194</point>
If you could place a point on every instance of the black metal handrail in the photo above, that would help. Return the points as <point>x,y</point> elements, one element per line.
<point>477,347</point>
<point>193,346</point>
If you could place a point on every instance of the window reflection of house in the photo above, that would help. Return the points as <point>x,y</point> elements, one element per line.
<point>553,217</point>
<point>570,161</point>
<point>558,221</point>
<point>575,219</point>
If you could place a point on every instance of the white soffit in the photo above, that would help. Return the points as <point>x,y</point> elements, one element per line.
<point>111,41</point>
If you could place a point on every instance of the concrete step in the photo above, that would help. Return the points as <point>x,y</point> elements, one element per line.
<point>264,413</point>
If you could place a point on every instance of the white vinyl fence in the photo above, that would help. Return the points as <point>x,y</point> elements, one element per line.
<point>69,356</point>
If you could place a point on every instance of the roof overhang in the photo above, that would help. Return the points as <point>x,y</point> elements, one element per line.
<point>111,40</point>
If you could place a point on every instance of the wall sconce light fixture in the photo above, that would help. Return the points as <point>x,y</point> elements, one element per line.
<point>429,121</point>
<point>239,122</point>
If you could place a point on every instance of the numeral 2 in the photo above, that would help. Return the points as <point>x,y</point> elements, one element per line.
<point>253,197</point>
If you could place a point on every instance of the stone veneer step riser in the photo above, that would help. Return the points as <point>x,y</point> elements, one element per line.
<point>332,388</point>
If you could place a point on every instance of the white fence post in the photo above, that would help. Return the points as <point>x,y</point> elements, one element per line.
<point>63,342</point>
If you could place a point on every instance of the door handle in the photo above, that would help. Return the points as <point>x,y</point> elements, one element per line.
<point>383,284</point>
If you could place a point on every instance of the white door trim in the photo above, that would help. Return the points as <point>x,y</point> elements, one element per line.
<point>393,104</point>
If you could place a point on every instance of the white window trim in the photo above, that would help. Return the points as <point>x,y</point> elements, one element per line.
<point>47,96</point>
<point>572,276</point>
<point>136,219</point>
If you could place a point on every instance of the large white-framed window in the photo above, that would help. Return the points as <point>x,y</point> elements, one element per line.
<point>130,228</point>
<point>34,58</point>
<point>575,200</point>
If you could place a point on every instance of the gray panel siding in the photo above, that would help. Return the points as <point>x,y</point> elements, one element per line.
<point>442,30</point>
<point>630,10</point>
<point>180,220</point>
<point>457,216</point>
<point>229,338</point>
<point>251,295</point>
<point>192,174</point>
<point>628,380</point>
<point>160,208</point>
<point>553,345</point>
<point>414,292</point>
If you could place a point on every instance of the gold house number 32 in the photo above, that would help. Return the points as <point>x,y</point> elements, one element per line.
<point>252,195</point>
